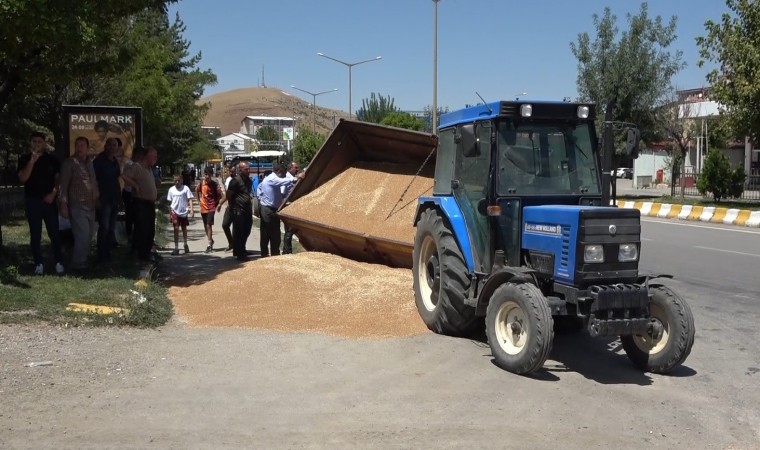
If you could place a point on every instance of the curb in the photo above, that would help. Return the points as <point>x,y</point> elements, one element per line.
<point>727,216</point>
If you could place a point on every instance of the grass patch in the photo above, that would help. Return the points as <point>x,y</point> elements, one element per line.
<point>28,298</point>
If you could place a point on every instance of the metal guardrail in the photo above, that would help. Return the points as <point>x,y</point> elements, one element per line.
<point>751,186</point>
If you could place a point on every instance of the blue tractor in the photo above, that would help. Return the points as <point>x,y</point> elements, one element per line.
<point>520,231</point>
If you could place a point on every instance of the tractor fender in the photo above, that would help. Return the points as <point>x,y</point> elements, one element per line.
<point>644,278</point>
<point>449,210</point>
<point>496,279</point>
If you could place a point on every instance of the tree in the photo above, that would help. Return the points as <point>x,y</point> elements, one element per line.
<point>718,179</point>
<point>48,43</point>
<point>306,145</point>
<point>734,44</point>
<point>163,79</point>
<point>202,151</point>
<point>637,68</point>
<point>677,124</point>
<point>375,108</point>
<point>428,111</point>
<point>268,138</point>
<point>402,120</point>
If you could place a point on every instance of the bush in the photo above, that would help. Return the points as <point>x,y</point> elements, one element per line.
<point>718,179</point>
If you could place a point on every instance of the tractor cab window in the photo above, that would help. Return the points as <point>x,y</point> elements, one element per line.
<point>543,159</point>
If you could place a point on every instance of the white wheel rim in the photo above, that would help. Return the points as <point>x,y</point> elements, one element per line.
<point>511,328</point>
<point>427,250</point>
<point>645,342</point>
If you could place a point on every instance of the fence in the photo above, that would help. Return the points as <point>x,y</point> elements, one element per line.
<point>751,186</point>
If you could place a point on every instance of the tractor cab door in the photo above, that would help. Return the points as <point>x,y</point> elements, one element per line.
<point>470,185</point>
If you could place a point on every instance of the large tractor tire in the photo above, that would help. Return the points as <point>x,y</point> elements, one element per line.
<point>440,278</point>
<point>519,327</point>
<point>671,349</point>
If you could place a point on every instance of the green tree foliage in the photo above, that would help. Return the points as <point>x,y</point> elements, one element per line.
<point>306,145</point>
<point>375,108</point>
<point>45,43</point>
<point>202,151</point>
<point>164,80</point>
<point>428,109</point>
<point>635,67</point>
<point>734,44</point>
<point>403,120</point>
<point>268,138</point>
<point>718,179</point>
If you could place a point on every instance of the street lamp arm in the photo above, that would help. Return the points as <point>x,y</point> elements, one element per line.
<point>336,60</point>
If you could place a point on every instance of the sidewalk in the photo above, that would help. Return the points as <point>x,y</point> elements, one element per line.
<point>198,266</point>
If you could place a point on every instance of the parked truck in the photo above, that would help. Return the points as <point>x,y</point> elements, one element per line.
<point>516,232</point>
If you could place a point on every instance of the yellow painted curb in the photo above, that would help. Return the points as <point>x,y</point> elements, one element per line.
<point>675,210</point>
<point>655,209</point>
<point>696,211</point>
<point>96,309</point>
<point>743,217</point>
<point>718,215</point>
<point>638,205</point>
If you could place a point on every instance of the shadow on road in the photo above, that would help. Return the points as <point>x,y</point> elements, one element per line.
<point>597,359</point>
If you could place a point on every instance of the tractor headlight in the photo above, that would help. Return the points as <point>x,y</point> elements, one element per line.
<point>593,254</point>
<point>526,110</point>
<point>628,252</point>
<point>583,112</point>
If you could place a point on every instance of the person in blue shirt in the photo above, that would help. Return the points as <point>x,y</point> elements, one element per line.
<point>272,192</point>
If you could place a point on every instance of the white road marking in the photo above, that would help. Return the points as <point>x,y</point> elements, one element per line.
<point>728,251</point>
<point>678,223</point>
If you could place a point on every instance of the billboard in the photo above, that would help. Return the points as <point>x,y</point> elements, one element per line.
<point>98,123</point>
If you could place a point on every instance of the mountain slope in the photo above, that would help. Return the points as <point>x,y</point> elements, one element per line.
<point>230,107</point>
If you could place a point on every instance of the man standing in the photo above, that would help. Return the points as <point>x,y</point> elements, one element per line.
<point>107,171</point>
<point>79,198</point>
<point>144,195</point>
<point>272,192</point>
<point>227,219</point>
<point>239,199</point>
<point>209,194</point>
<point>287,241</point>
<point>38,171</point>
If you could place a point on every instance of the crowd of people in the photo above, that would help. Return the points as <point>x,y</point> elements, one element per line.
<point>88,192</point>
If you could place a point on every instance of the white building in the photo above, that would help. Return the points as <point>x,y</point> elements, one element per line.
<point>235,142</point>
<point>251,124</point>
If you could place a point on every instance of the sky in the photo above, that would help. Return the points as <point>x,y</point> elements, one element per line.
<point>497,48</point>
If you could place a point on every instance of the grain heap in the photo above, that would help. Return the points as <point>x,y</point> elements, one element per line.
<point>366,199</point>
<point>306,291</point>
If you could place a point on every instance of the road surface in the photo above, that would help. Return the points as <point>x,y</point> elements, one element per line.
<point>229,388</point>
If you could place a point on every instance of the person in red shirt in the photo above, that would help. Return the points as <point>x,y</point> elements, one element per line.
<point>209,195</point>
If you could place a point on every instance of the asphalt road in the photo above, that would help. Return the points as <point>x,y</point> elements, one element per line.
<point>228,388</point>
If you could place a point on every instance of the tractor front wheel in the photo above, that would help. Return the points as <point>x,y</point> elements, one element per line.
<point>519,327</point>
<point>440,278</point>
<point>666,352</point>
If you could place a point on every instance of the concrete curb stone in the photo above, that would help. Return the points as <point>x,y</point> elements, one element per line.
<point>712,214</point>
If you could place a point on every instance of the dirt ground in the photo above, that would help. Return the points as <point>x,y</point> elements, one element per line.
<point>232,387</point>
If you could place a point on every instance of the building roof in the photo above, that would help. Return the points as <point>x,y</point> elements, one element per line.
<point>266,118</point>
<point>242,136</point>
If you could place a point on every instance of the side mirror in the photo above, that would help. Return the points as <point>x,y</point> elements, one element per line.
<point>632,143</point>
<point>468,143</point>
<point>483,207</point>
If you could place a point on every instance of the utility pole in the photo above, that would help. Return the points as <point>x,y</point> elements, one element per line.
<point>434,125</point>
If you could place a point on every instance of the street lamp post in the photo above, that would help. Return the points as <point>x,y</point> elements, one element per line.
<point>435,69</point>
<point>349,65</point>
<point>313,103</point>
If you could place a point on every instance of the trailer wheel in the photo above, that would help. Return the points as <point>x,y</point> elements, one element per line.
<point>440,278</point>
<point>671,349</point>
<point>519,327</point>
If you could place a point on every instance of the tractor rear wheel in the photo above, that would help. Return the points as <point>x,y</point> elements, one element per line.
<point>440,278</point>
<point>519,327</point>
<point>671,349</point>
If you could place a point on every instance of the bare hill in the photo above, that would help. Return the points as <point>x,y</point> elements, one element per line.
<point>230,107</point>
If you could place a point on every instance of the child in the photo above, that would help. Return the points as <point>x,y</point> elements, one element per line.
<point>181,198</point>
<point>209,194</point>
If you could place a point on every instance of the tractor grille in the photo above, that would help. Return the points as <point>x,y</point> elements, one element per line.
<point>542,262</point>
<point>565,256</point>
